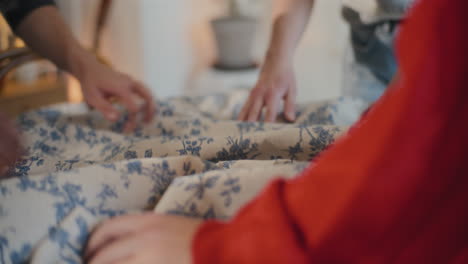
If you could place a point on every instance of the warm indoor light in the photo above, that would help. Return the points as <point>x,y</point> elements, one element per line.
<point>74,90</point>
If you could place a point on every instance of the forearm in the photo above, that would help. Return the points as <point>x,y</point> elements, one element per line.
<point>46,33</point>
<point>288,27</point>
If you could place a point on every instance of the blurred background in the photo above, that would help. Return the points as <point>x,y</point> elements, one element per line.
<point>194,47</point>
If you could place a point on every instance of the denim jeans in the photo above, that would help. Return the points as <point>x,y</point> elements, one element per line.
<point>370,64</point>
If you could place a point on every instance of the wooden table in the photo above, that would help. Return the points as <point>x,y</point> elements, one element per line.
<point>16,98</point>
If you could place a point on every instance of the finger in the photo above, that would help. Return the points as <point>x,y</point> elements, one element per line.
<point>130,260</point>
<point>131,122</point>
<point>244,114</point>
<point>98,101</point>
<point>290,105</point>
<point>127,98</point>
<point>117,227</point>
<point>245,110</point>
<point>177,255</point>
<point>123,248</point>
<point>255,110</point>
<point>150,106</point>
<point>272,107</point>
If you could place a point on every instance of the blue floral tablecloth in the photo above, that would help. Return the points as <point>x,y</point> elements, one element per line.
<point>192,160</point>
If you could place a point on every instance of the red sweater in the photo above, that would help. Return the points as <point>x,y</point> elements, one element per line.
<point>395,190</point>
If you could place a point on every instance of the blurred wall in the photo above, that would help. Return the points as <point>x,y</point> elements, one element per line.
<point>320,54</point>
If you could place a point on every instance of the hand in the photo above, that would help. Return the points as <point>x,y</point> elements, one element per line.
<point>277,82</point>
<point>146,238</point>
<point>9,144</point>
<point>100,84</point>
<point>46,33</point>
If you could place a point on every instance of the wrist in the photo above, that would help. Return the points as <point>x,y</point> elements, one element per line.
<point>278,58</point>
<point>79,62</point>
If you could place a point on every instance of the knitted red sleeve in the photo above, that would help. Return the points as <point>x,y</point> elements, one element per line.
<point>394,190</point>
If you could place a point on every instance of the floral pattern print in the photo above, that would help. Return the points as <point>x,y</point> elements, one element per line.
<point>192,160</point>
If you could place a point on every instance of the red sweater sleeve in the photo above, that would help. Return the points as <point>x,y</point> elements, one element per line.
<point>394,190</point>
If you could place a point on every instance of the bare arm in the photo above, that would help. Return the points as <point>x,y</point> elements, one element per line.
<point>288,27</point>
<point>52,39</point>
<point>277,81</point>
<point>47,34</point>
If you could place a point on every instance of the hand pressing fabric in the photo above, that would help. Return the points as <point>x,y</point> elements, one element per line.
<point>100,84</point>
<point>9,144</point>
<point>45,32</point>
<point>277,83</point>
<point>145,238</point>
